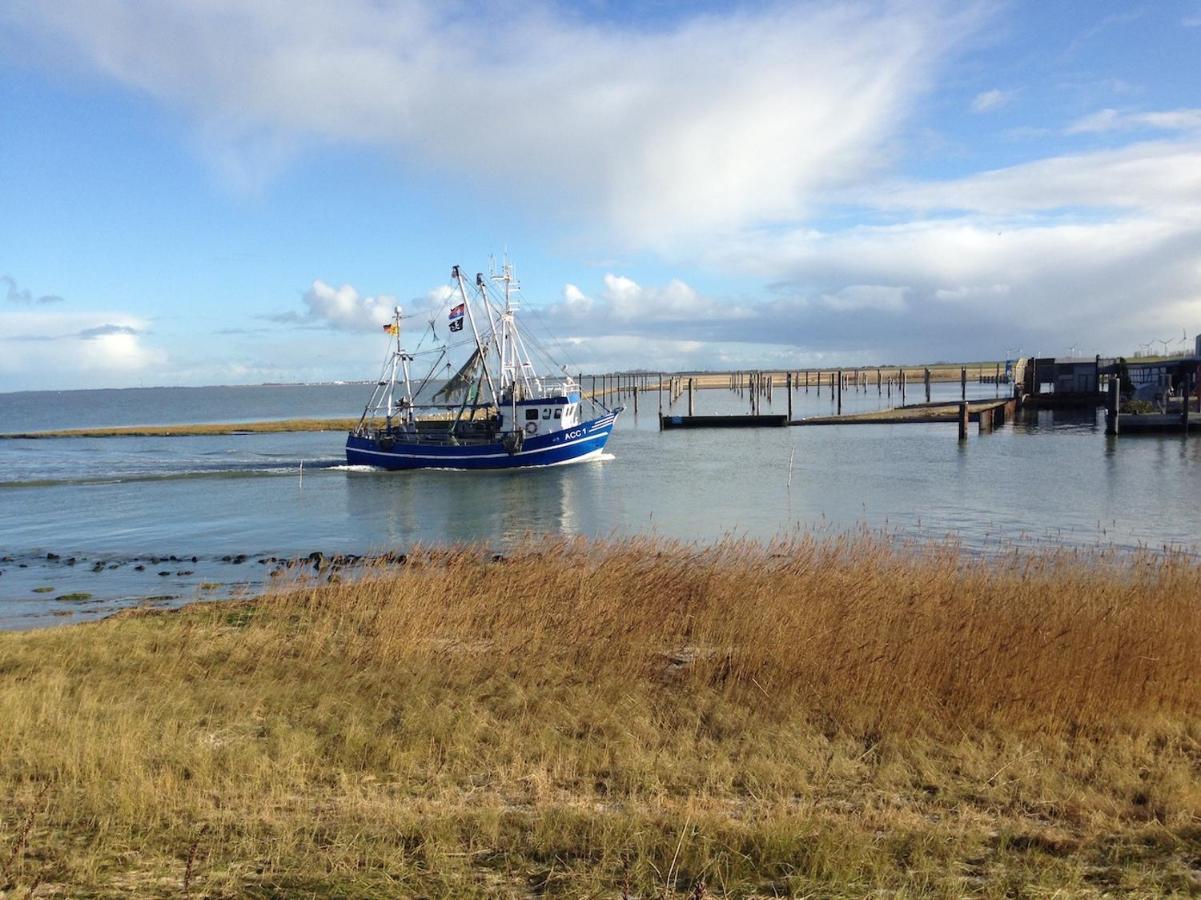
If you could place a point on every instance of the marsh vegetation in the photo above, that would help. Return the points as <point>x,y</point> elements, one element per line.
<point>638,717</point>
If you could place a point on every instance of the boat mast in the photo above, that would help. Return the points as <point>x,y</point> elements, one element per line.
<point>383,398</point>
<point>458,277</point>
<point>515,358</point>
<point>405,359</point>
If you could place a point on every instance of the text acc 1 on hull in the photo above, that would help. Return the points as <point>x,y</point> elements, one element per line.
<point>495,412</point>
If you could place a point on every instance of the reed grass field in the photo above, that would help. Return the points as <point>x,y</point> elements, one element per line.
<point>821,717</point>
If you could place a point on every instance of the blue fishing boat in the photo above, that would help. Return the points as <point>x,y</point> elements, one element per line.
<point>495,412</point>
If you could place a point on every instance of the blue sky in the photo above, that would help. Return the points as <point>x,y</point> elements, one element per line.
<point>215,192</point>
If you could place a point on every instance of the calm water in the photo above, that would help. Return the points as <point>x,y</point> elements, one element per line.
<point>118,503</point>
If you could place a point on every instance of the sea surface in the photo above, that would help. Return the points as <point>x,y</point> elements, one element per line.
<point>215,515</point>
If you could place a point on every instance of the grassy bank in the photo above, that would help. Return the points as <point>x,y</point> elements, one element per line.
<point>200,428</point>
<point>822,718</point>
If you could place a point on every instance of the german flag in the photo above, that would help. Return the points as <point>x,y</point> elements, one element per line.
<point>391,328</point>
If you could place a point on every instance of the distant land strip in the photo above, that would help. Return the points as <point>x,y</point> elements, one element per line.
<point>191,429</point>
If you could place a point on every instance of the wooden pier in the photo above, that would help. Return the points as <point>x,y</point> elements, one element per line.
<point>667,423</point>
<point>988,414</point>
<point>761,388</point>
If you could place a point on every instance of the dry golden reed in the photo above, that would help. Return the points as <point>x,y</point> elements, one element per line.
<point>850,625</point>
<point>820,717</point>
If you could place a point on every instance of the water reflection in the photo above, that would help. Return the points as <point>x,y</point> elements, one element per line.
<point>403,507</point>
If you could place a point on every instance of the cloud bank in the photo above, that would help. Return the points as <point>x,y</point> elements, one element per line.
<point>759,142</point>
<point>42,349</point>
<point>663,133</point>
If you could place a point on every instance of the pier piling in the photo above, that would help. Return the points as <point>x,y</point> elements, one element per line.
<point>1111,405</point>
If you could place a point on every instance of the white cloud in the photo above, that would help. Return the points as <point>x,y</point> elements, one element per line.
<point>1113,120</point>
<point>611,353</point>
<point>971,292</point>
<point>575,301</point>
<point>344,307</point>
<point>971,289</point>
<point>624,301</point>
<point>990,100</point>
<point>715,140</point>
<point>660,133</point>
<point>41,349</point>
<point>1160,176</point>
<point>883,297</point>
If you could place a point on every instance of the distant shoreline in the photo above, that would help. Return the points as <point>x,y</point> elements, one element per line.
<point>186,429</point>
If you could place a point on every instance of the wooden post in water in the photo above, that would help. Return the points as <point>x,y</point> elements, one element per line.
<point>789,386</point>
<point>963,419</point>
<point>1184,408</point>
<point>963,383</point>
<point>1111,405</point>
<point>840,392</point>
<point>901,381</point>
<point>879,387</point>
<point>926,375</point>
<point>635,400</point>
<point>660,394</point>
<point>691,399</point>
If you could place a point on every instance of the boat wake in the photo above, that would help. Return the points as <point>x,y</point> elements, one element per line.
<point>234,470</point>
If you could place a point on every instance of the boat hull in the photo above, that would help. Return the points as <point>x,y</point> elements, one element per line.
<point>584,441</point>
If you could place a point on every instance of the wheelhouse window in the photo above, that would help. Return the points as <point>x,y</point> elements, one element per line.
<point>558,413</point>
<point>546,413</point>
<point>531,415</point>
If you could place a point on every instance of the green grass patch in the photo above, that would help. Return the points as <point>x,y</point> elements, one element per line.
<point>74,597</point>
